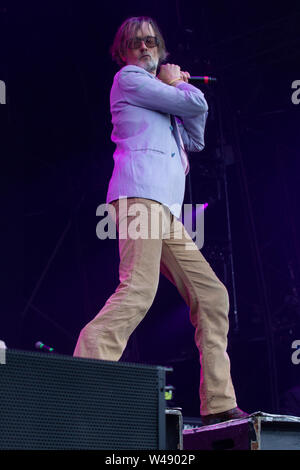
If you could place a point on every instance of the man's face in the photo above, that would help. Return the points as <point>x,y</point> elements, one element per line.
<point>143,56</point>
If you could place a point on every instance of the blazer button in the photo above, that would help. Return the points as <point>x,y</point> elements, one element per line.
<point>171,128</point>
<point>173,154</point>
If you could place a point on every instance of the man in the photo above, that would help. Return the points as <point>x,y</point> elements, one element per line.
<point>149,176</point>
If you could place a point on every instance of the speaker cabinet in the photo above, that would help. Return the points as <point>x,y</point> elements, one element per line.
<point>51,401</point>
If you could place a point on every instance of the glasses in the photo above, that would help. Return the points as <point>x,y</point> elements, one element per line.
<point>135,43</point>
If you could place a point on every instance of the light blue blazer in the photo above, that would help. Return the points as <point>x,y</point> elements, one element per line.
<point>152,122</point>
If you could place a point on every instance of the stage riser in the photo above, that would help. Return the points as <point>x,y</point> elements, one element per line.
<point>261,431</point>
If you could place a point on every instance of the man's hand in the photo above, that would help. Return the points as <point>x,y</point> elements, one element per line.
<point>185,76</point>
<point>172,75</point>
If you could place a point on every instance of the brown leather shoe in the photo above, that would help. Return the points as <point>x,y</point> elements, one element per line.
<point>234,413</point>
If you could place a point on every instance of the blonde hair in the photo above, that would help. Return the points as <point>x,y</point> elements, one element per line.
<point>127,30</point>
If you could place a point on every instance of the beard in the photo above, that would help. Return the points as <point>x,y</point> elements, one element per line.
<point>150,65</point>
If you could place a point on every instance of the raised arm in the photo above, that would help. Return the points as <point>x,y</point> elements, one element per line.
<point>138,88</point>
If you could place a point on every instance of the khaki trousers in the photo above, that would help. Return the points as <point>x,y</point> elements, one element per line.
<point>164,246</point>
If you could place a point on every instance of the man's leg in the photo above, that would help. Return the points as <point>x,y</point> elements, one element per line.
<point>106,336</point>
<point>207,299</point>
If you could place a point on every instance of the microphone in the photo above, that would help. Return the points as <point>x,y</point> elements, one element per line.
<point>43,347</point>
<point>204,79</point>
